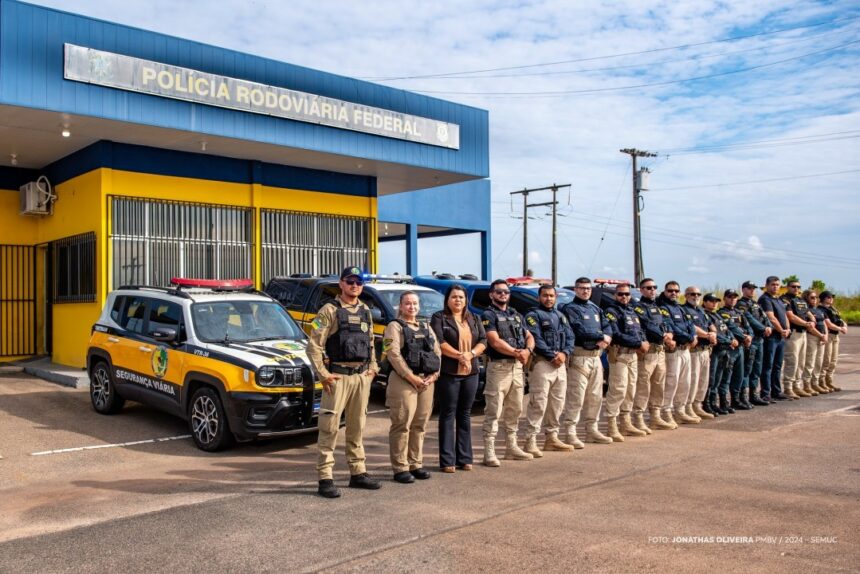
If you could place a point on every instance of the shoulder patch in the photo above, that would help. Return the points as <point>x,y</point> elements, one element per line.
<point>386,344</point>
<point>531,321</point>
<point>664,312</point>
<point>610,315</point>
<point>639,309</point>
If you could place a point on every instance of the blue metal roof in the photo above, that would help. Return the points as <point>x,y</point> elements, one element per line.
<point>31,75</point>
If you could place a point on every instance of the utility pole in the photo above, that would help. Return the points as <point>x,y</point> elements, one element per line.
<point>526,205</point>
<point>638,266</point>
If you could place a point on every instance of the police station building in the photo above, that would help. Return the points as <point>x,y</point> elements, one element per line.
<point>129,157</point>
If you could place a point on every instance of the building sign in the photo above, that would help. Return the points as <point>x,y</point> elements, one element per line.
<point>137,75</point>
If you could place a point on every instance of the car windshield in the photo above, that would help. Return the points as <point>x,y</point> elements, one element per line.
<point>563,296</point>
<point>242,321</point>
<point>429,301</point>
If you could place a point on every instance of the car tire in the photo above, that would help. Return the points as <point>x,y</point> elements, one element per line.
<point>105,399</point>
<point>207,421</point>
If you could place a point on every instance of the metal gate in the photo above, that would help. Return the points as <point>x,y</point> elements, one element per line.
<point>295,242</point>
<point>17,300</point>
<point>153,241</point>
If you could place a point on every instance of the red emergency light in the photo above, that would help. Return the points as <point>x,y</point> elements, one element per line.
<point>527,280</point>
<point>612,282</point>
<point>212,283</point>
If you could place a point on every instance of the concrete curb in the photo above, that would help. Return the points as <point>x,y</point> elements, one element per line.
<point>59,374</point>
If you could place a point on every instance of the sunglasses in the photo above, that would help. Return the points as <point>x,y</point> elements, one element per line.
<point>353,282</point>
<point>694,295</point>
<point>501,292</point>
<point>649,287</point>
<point>794,286</point>
<point>622,294</point>
<point>673,290</point>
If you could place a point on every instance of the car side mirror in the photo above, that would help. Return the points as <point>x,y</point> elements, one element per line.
<point>376,314</point>
<point>163,334</point>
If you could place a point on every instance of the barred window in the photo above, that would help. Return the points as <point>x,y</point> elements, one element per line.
<point>74,269</point>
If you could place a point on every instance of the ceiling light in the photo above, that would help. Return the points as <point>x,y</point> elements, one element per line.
<point>13,158</point>
<point>203,145</point>
<point>66,133</point>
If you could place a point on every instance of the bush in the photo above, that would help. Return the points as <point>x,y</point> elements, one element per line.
<point>852,317</point>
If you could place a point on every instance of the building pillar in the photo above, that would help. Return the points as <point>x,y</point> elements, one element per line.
<point>411,249</point>
<point>486,252</point>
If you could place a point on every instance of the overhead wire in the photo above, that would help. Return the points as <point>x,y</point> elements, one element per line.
<point>623,54</point>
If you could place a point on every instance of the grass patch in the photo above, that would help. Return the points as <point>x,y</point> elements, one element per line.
<point>849,307</point>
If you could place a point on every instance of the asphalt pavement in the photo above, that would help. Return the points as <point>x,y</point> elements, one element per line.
<point>772,490</point>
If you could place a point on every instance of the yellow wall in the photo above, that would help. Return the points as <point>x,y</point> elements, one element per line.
<point>83,206</point>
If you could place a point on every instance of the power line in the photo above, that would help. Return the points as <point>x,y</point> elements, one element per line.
<point>608,56</point>
<point>647,85</point>
<point>629,66</point>
<point>748,146</point>
<point>756,181</point>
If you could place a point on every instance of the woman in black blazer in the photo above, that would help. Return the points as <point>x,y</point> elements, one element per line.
<point>462,338</point>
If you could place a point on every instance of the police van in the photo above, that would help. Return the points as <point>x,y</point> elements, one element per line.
<point>227,359</point>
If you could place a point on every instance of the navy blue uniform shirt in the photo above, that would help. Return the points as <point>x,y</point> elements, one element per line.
<point>700,320</point>
<point>651,319</point>
<point>754,315</point>
<point>775,306</point>
<point>587,321</point>
<point>678,320</point>
<point>626,329</point>
<point>724,336</point>
<point>551,331</point>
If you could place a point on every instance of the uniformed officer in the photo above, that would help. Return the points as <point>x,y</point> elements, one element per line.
<point>343,329</point>
<point>836,326</point>
<point>652,365</point>
<point>733,383</point>
<point>816,338</point>
<point>774,346</point>
<point>801,321</point>
<point>592,334</point>
<point>762,329</point>
<point>547,377</point>
<point>628,341</point>
<point>680,324</point>
<point>719,356</point>
<point>510,347</point>
<point>415,358</point>
<point>700,354</point>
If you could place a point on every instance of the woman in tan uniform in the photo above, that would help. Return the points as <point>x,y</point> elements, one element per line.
<point>414,355</point>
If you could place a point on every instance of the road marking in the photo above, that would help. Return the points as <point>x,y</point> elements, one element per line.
<point>97,446</point>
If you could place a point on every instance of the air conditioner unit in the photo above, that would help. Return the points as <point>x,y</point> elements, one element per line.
<point>37,198</point>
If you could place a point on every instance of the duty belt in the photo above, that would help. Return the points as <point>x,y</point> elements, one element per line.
<point>682,347</point>
<point>699,348</point>
<point>580,352</point>
<point>506,360</point>
<point>624,350</point>
<point>347,369</point>
<point>655,348</point>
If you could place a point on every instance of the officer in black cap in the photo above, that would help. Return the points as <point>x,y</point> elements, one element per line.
<point>753,355</point>
<point>743,334</point>
<point>343,329</point>
<point>720,355</point>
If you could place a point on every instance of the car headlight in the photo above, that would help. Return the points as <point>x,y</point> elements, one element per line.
<point>280,377</point>
<point>266,376</point>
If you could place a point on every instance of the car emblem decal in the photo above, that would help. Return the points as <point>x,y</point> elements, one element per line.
<point>159,361</point>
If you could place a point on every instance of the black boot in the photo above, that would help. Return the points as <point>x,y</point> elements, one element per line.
<point>758,401</point>
<point>745,400</point>
<point>738,403</point>
<point>725,405</point>
<point>720,403</point>
<point>706,406</point>
<point>712,404</point>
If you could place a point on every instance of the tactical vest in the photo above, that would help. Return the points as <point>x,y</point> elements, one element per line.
<point>799,307</point>
<point>417,349</point>
<point>510,330</point>
<point>554,338</point>
<point>351,342</point>
<point>819,315</point>
<point>834,316</point>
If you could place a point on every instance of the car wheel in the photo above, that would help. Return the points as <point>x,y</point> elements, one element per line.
<point>208,421</point>
<point>103,393</point>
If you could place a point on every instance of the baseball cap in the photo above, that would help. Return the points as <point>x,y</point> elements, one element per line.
<point>729,293</point>
<point>826,295</point>
<point>710,297</point>
<point>349,272</point>
<point>749,285</point>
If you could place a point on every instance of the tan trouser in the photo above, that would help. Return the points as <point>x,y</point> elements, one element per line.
<point>584,386</point>
<point>677,387</point>
<point>814,359</point>
<point>831,356</point>
<point>349,395</point>
<point>650,381</point>
<point>503,396</point>
<point>700,368</point>
<point>623,368</point>
<point>409,410</point>
<point>547,387</point>
<point>795,356</point>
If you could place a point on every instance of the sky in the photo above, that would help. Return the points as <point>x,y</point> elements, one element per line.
<point>753,108</point>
